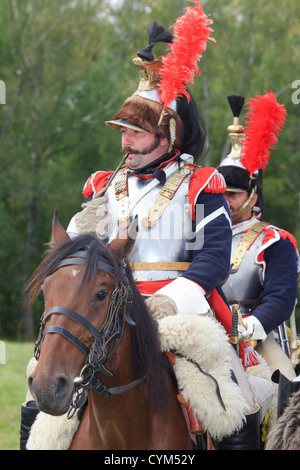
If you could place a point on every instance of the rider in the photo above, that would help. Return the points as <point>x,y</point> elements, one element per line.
<point>264,270</point>
<point>184,228</point>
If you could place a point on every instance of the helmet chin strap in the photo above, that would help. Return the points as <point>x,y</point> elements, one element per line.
<point>246,203</point>
<point>172,129</point>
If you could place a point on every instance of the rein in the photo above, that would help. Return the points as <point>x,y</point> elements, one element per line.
<point>106,340</point>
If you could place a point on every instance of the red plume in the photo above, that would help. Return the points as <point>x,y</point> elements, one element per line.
<point>191,33</point>
<point>266,117</point>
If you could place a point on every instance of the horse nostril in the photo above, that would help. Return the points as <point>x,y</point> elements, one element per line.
<point>62,386</point>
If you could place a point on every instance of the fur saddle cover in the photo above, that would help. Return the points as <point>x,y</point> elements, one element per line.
<point>203,340</point>
<point>52,432</point>
<point>199,338</point>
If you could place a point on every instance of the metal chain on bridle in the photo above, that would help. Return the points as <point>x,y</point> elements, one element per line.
<point>106,341</point>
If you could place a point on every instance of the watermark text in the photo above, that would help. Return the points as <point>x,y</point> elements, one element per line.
<point>2,92</point>
<point>296,94</point>
<point>175,225</point>
<point>2,353</point>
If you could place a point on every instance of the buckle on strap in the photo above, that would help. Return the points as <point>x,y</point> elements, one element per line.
<point>245,243</point>
<point>95,383</point>
<point>166,194</point>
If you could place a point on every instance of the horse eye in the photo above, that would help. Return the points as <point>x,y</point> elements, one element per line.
<point>102,295</point>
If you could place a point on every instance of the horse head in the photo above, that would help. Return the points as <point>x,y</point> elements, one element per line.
<point>79,278</point>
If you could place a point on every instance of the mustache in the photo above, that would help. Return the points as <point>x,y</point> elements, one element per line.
<point>129,150</point>
<point>144,151</point>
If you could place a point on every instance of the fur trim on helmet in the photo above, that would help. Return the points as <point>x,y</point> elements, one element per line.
<point>145,114</point>
<point>237,179</point>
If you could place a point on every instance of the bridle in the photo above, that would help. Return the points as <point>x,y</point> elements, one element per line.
<point>106,340</point>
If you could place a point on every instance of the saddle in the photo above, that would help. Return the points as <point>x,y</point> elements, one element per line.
<point>198,434</point>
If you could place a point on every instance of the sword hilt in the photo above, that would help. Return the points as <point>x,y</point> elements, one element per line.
<point>234,338</point>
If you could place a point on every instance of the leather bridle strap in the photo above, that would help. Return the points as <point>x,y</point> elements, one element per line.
<point>97,385</point>
<point>63,332</point>
<point>82,261</point>
<point>76,317</point>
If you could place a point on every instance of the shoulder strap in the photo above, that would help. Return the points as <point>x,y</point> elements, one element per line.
<point>121,183</point>
<point>245,243</point>
<point>166,194</point>
<point>121,194</point>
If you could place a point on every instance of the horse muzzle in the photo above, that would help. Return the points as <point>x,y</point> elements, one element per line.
<point>53,394</point>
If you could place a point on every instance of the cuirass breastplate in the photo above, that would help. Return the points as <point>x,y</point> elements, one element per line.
<point>244,286</point>
<point>166,241</point>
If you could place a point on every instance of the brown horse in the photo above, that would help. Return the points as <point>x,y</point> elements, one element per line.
<point>99,342</point>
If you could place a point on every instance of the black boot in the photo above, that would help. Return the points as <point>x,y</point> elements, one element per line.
<point>286,388</point>
<point>248,438</point>
<point>28,414</point>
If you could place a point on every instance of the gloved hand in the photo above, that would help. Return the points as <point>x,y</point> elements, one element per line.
<point>245,330</point>
<point>252,327</point>
<point>161,306</point>
<point>94,217</point>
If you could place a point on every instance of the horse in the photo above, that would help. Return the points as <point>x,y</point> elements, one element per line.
<point>98,350</point>
<point>286,433</point>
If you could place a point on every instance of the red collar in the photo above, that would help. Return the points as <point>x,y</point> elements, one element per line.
<point>159,167</point>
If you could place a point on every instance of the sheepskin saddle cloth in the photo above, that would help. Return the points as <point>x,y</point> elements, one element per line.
<point>203,369</point>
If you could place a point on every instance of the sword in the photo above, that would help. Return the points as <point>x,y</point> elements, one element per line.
<point>237,319</point>
<point>112,176</point>
<point>234,338</point>
<point>283,339</point>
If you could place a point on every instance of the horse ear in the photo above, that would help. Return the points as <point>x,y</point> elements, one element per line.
<point>59,234</point>
<point>123,244</point>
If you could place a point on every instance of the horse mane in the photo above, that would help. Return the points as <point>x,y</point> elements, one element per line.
<point>286,433</point>
<point>149,360</point>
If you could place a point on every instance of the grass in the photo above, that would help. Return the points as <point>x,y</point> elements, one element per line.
<point>13,389</point>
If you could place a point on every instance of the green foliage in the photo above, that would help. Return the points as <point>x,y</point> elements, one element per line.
<point>13,389</point>
<point>67,68</point>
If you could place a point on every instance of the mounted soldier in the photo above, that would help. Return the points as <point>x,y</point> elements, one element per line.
<point>265,260</point>
<point>183,242</point>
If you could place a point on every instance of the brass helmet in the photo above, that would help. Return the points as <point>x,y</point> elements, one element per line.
<point>251,145</point>
<point>149,109</point>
